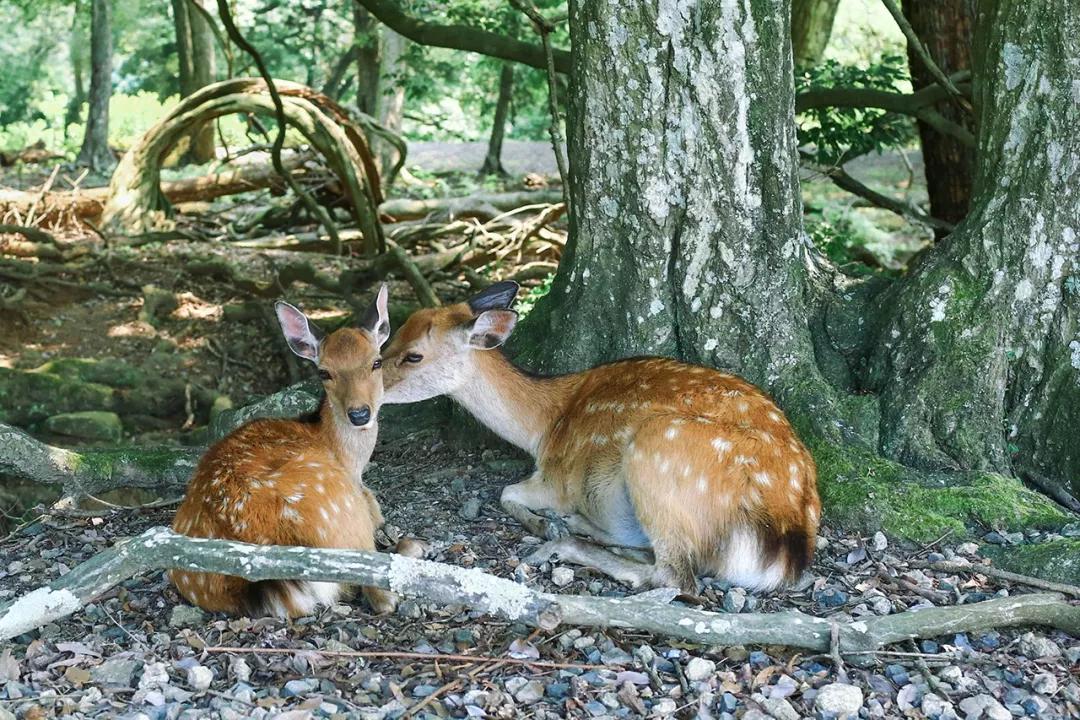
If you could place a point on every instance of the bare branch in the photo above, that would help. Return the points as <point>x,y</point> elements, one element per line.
<point>916,44</point>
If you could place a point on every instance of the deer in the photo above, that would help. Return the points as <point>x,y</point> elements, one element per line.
<point>671,470</point>
<point>296,481</point>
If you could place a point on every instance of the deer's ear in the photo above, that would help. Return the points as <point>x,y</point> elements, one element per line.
<point>376,319</point>
<point>497,297</point>
<point>490,329</point>
<point>301,334</point>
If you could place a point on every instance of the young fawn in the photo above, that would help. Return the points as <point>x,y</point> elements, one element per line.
<point>694,464</point>
<point>295,482</point>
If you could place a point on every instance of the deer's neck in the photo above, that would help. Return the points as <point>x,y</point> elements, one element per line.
<point>351,445</point>
<point>518,407</point>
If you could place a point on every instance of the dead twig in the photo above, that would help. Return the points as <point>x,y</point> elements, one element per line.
<point>990,571</point>
<point>404,655</point>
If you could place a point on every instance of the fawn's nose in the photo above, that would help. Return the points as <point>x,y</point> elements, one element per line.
<point>359,416</point>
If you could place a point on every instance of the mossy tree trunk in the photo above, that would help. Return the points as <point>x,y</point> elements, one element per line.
<point>979,364</point>
<point>811,28</point>
<point>366,41</point>
<point>95,152</point>
<point>204,72</point>
<point>493,158</point>
<point>945,27</point>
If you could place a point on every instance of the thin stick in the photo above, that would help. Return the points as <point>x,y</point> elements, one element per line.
<point>924,55</point>
<point>989,571</point>
<point>834,652</point>
<point>431,698</point>
<point>41,195</point>
<point>402,655</point>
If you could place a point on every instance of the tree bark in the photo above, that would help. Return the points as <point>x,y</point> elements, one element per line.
<point>945,28</point>
<point>979,364</point>
<point>390,102</point>
<point>811,28</point>
<point>95,151</point>
<point>184,55</point>
<point>204,72</point>
<point>368,75</point>
<point>493,159</point>
<point>75,49</point>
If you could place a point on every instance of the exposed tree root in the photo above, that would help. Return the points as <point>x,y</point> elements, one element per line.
<point>159,548</point>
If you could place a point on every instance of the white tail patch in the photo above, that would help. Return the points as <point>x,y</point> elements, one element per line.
<point>741,565</point>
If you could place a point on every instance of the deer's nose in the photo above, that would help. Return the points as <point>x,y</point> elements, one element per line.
<point>359,416</point>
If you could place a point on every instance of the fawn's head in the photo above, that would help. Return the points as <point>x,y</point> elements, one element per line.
<point>348,359</point>
<point>432,353</point>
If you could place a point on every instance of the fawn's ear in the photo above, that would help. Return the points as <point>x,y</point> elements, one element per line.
<point>497,297</point>
<point>376,319</point>
<point>301,334</point>
<point>490,329</point>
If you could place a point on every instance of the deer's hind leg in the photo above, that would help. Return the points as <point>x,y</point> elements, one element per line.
<point>535,504</point>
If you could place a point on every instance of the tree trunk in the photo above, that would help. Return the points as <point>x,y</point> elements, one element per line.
<point>73,112</point>
<point>390,101</point>
<point>811,28</point>
<point>95,151</point>
<point>183,47</point>
<point>945,27</point>
<point>204,72</point>
<point>980,364</point>
<point>366,40</point>
<point>493,160</point>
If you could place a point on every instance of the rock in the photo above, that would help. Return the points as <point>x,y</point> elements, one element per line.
<point>898,674</point>
<point>909,697</point>
<point>664,706</point>
<point>529,693</point>
<point>831,597</point>
<point>984,706</point>
<point>951,674</point>
<point>186,616</point>
<point>199,678</point>
<point>968,548</point>
<point>837,701</point>
<point>240,669</point>
<point>1035,706</point>
<point>1035,646</point>
<point>86,425</point>
<point>881,605</point>
<point>780,709</point>
<point>155,675</point>
<point>699,669</point>
<point>934,707</point>
<point>734,600</point>
<point>728,702</point>
<point>116,671</point>
<point>470,509</point>
<point>785,686</point>
<point>994,538</point>
<point>562,576</point>
<point>1044,684</point>
<point>880,542</point>
<point>297,688</point>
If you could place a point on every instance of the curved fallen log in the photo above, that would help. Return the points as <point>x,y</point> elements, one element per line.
<point>136,204</point>
<point>160,548</point>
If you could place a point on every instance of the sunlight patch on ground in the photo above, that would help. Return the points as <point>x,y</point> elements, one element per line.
<point>137,328</point>
<point>193,307</point>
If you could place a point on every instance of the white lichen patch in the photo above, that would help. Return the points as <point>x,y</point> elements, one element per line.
<point>35,609</point>
<point>504,598</point>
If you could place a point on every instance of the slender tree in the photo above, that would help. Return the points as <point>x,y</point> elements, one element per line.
<point>95,151</point>
<point>390,101</point>
<point>366,42</point>
<point>493,158</point>
<point>811,28</point>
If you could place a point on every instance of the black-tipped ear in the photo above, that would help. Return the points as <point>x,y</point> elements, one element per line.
<point>376,319</point>
<point>302,335</point>
<point>499,296</point>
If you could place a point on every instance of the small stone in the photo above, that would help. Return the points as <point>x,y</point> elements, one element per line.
<point>664,706</point>
<point>562,576</point>
<point>880,542</point>
<point>699,669</point>
<point>951,674</point>
<point>155,675</point>
<point>934,707</point>
<point>728,702</point>
<point>780,709</point>
<point>529,693</point>
<point>1014,538</point>
<point>297,688</point>
<point>785,686</point>
<point>186,616</point>
<point>199,678</point>
<point>758,659</point>
<point>86,425</point>
<point>994,538</point>
<point>898,674</point>
<point>929,646</point>
<point>1035,706</point>
<point>117,671</point>
<point>881,605</point>
<point>734,600</point>
<point>1044,684</point>
<point>935,557</point>
<point>838,701</point>
<point>831,597</point>
<point>240,669</point>
<point>423,690</point>
<point>984,706</point>
<point>968,548</point>
<point>470,509</point>
<point>1035,646</point>
<point>408,609</point>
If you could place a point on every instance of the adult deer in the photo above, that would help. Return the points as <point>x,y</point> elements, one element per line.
<point>695,464</point>
<point>296,482</point>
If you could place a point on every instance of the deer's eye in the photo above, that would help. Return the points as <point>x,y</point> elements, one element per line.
<point>413,358</point>
<point>325,374</point>
<point>377,364</point>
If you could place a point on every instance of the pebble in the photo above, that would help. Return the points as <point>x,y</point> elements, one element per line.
<point>199,678</point>
<point>186,616</point>
<point>1035,646</point>
<point>934,707</point>
<point>470,509</point>
<point>984,706</point>
<point>562,576</point>
<point>838,701</point>
<point>951,674</point>
<point>1044,684</point>
<point>734,600</point>
<point>664,706</point>
<point>699,669</point>
<point>898,674</point>
<point>994,538</point>
<point>785,686</point>
<point>780,709</point>
<point>296,688</point>
<point>116,671</point>
<point>831,597</point>
<point>532,691</point>
<point>880,542</point>
<point>155,675</point>
<point>728,702</point>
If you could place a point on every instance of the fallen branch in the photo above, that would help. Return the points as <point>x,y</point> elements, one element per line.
<point>404,655</point>
<point>990,571</point>
<point>159,549</point>
<point>483,206</point>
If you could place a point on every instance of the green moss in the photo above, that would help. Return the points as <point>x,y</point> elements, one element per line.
<point>147,462</point>
<point>1057,560</point>
<point>862,491</point>
<point>106,371</point>
<point>30,397</point>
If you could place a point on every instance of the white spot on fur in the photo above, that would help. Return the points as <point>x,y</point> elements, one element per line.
<point>721,445</point>
<point>763,479</point>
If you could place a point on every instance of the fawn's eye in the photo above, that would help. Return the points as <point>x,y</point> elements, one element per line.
<point>325,374</point>
<point>413,358</point>
<point>377,364</point>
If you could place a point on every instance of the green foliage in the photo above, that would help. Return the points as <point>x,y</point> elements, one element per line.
<point>835,135</point>
<point>526,304</point>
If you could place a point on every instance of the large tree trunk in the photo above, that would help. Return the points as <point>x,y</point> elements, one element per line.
<point>366,41</point>
<point>390,100</point>
<point>945,27</point>
<point>204,72</point>
<point>493,159</point>
<point>183,47</point>
<point>95,151</point>
<point>73,111</point>
<point>981,364</point>
<point>811,28</point>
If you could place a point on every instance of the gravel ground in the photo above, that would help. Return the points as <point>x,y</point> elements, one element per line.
<point>139,653</point>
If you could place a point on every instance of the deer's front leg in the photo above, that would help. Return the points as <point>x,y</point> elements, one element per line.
<point>535,504</point>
